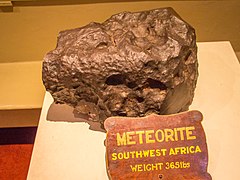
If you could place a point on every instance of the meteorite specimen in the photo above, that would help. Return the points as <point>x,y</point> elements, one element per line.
<point>133,64</point>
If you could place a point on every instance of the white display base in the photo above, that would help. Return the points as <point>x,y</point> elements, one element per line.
<point>65,150</point>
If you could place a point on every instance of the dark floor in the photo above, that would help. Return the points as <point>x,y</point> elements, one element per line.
<point>16,146</point>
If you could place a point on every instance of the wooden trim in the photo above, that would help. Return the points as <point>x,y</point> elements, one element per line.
<point>6,3</point>
<point>19,118</point>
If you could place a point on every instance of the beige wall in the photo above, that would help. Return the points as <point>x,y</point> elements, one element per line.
<point>28,32</point>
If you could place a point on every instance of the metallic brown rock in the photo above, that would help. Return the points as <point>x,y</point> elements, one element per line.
<point>133,64</point>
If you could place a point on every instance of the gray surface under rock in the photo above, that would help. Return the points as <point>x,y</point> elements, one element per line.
<point>133,64</point>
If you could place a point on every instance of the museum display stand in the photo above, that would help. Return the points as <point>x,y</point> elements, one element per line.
<point>65,150</point>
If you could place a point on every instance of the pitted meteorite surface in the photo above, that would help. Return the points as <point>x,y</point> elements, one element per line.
<point>133,64</point>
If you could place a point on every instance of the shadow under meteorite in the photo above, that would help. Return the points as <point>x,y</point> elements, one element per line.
<point>66,113</point>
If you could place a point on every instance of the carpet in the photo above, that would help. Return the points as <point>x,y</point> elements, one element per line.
<point>16,145</point>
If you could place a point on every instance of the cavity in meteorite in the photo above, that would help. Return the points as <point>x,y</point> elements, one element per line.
<point>133,64</point>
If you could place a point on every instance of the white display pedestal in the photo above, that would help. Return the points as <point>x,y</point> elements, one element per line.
<point>69,151</point>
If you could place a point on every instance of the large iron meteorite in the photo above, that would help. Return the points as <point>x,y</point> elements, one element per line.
<point>133,64</point>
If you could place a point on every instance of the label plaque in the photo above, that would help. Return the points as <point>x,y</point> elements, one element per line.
<point>169,147</point>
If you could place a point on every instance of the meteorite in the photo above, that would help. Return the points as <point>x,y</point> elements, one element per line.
<point>133,64</point>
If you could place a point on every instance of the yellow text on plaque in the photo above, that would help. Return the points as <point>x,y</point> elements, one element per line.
<point>139,154</point>
<point>184,150</point>
<point>146,167</point>
<point>153,136</point>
